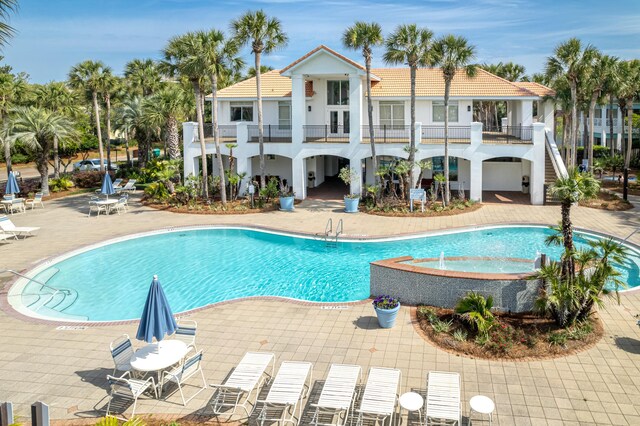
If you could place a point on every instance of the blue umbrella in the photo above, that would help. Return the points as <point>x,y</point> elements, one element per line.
<point>157,318</point>
<point>107,186</point>
<point>12,185</point>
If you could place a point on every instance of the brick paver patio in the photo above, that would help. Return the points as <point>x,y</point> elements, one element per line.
<point>67,369</point>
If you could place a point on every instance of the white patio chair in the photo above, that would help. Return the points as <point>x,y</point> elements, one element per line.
<point>121,352</point>
<point>17,205</point>
<point>7,226</point>
<point>37,199</point>
<point>129,388</point>
<point>286,393</point>
<point>443,398</point>
<point>8,197</point>
<point>186,331</point>
<point>337,396</point>
<point>121,205</point>
<point>191,366</point>
<point>380,395</point>
<point>94,206</point>
<point>248,376</point>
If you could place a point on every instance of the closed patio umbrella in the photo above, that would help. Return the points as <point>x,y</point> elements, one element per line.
<point>107,186</point>
<point>157,319</point>
<point>12,185</point>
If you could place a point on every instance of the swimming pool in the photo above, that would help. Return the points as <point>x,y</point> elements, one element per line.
<point>199,266</point>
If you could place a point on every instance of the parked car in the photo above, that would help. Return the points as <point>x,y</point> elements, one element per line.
<point>93,164</point>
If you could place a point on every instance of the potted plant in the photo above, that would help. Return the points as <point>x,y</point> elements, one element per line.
<point>386,308</point>
<point>286,195</point>
<point>351,201</point>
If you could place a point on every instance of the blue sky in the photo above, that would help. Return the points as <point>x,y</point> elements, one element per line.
<point>53,35</point>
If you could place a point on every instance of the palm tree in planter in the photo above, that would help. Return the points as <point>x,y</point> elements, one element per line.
<point>265,35</point>
<point>365,36</point>
<point>37,128</point>
<point>410,45</point>
<point>88,76</point>
<point>451,53</point>
<point>351,201</point>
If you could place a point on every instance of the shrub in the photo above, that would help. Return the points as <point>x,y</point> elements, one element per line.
<point>87,179</point>
<point>476,310</point>
<point>157,191</point>
<point>558,339</point>
<point>503,337</point>
<point>427,312</point>
<point>385,302</point>
<point>60,184</point>
<point>460,335</point>
<point>270,191</point>
<point>440,326</point>
<point>581,330</point>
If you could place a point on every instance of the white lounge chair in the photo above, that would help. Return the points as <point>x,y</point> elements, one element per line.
<point>380,395</point>
<point>337,396</point>
<point>116,183</point>
<point>186,332</point>
<point>286,393</point>
<point>129,187</point>
<point>129,388</point>
<point>191,366</point>
<point>7,226</point>
<point>37,199</point>
<point>443,398</point>
<point>248,376</point>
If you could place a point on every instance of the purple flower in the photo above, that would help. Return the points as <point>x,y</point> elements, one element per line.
<point>385,302</point>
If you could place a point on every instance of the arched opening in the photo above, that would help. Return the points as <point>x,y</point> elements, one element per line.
<point>506,180</point>
<point>275,166</point>
<point>323,182</point>
<point>459,175</point>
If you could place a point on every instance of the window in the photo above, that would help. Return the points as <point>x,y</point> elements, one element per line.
<point>338,92</point>
<point>241,111</point>
<point>438,111</point>
<point>284,115</point>
<point>392,114</point>
<point>438,167</point>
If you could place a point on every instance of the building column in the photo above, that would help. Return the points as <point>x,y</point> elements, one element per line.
<point>189,135</point>
<point>356,181</point>
<point>526,113</point>
<point>537,165</point>
<point>355,109</point>
<point>475,134</point>
<point>298,108</point>
<point>299,177</point>
<point>243,165</point>
<point>475,184</point>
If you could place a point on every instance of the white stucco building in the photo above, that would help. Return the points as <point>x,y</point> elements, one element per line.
<point>315,122</point>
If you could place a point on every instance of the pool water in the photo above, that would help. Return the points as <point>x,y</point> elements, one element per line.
<point>204,266</point>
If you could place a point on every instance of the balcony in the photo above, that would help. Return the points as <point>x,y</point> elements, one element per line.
<point>435,135</point>
<point>227,132</point>
<point>508,135</point>
<point>387,134</point>
<point>272,133</point>
<point>324,133</point>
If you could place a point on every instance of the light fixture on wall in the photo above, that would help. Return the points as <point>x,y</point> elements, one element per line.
<point>271,157</point>
<point>309,108</point>
<point>468,108</point>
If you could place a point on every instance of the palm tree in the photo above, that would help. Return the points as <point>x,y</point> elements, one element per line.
<point>603,70</point>
<point>13,89</point>
<point>6,30</point>
<point>412,46</point>
<point>165,109</point>
<point>571,189</point>
<point>134,122</point>
<point>629,89</point>
<point>184,56</point>
<point>450,54</point>
<point>56,97</point>
<point>143,76</point>
<point>87,76</point>
<point>110,85</point>
<point>365,36</point>
<point>36,128</point>
<point>251,72</point>
<point>265,35</point>
<point>221,56</point>
<point>571,61</point>
<point>511,71</point>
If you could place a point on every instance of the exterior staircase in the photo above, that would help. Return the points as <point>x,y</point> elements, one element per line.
<point>550,177</point>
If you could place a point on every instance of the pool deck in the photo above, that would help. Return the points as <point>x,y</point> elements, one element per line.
<point>67,368</point>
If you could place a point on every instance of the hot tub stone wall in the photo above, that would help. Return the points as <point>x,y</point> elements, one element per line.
<point>415,288</point>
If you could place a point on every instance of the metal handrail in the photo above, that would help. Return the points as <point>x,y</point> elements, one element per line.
<point>339,229</point>
<point>328,228</point>
<point>55,290</point>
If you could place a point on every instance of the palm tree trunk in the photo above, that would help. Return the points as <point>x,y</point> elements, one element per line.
<point>7,156</point>
<point>126,147</point>
<point>412,150</point>
<point>203,146</point>
<point>568,270</point>
<point>627,158</point>
<point>96,114</point>
<point>610,118</point>
<point>592,111</point>
<point>574,122</point>
<point>108,120</point>
<point>372,139</point>
<point>263,182</point>
<point>447,88</point>
<point>216,138</point>
<point>56,158</point>
<point>43,168</point>
<point>173,138</point>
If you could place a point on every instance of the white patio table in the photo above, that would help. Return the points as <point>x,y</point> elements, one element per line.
<point>158,356</point>
<point>7,204</point>
<point>109,202</point>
